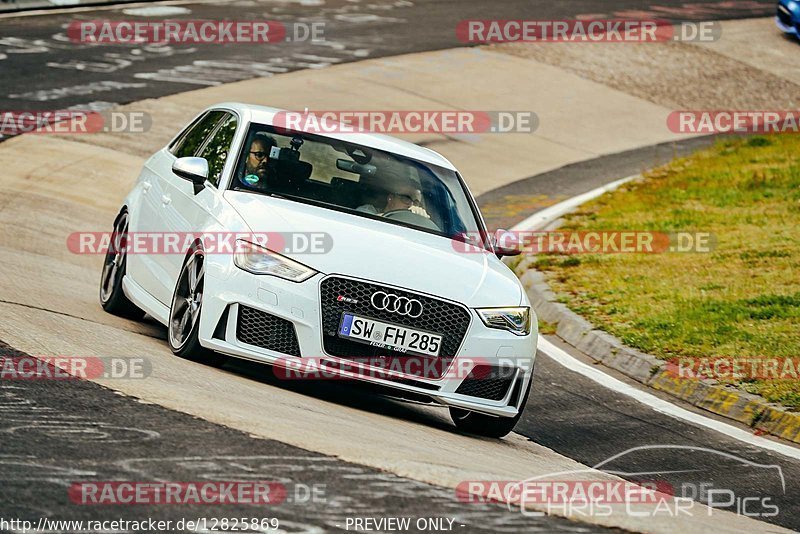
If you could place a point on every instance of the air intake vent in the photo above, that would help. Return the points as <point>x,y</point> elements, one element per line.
<point>487,382</point>
<point>261,329</point>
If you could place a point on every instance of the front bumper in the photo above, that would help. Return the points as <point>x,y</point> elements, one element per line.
<point>230,291</point>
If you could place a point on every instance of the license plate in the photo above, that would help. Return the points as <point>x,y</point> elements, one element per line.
<point>389,336</point>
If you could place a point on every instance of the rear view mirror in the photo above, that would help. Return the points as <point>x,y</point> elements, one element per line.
<point>193,169</point>
<point>351,166</point>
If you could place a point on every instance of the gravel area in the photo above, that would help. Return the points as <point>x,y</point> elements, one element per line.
<point>674,75</point>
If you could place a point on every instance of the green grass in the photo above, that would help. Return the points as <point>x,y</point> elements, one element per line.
<point>740,300</point>
<point>546,328</point>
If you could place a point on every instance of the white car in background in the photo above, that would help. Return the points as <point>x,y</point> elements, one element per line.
<point>394,283</point>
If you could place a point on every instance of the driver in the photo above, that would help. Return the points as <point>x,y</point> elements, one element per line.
<point>256,169</point>
<point>405,197</point>
<point>394,194</point>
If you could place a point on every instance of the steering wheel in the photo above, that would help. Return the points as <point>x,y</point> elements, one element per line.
<point>408,216</point>
<point>389,214</point>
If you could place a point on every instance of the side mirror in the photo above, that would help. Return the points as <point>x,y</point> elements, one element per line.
<point>193,169</point>
<point>506,244</point>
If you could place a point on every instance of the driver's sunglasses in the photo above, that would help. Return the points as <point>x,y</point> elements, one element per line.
<point>260,155</point>
<point>408,199</point>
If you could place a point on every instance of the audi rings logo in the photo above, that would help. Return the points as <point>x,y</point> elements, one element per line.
<point>392,303</point>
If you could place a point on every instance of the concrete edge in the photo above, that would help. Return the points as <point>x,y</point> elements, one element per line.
<point>14,8</point>
<point>752,410</point>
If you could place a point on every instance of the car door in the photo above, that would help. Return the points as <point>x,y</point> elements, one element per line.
<point>145,215</point>
<point>190,212</point>
<point>143,212</point>
<point>159,280</point>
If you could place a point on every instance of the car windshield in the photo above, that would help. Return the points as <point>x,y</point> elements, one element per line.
<point>359,180</point>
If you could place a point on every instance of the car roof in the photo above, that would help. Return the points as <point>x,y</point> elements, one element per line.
<point>265,115</point>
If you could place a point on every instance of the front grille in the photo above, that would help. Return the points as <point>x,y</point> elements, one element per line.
<point>449,320</point>
<point>261,329</point>
<point>487,382</point>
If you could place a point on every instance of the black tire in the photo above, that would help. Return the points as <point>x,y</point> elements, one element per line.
<point>487,425</point>
<point>184,312</point>
<point>112,297</point>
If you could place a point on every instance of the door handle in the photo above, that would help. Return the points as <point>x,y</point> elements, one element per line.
<point>165,200</point>
<point>146,186</point>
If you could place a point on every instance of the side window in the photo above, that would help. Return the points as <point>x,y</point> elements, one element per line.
<point>193,138</point>
<point>217,148</point>
<point>181,137</point>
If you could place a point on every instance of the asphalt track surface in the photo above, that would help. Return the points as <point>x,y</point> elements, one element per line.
<point>43,70</point>
<point>566,412</point>
<point>57,433</point>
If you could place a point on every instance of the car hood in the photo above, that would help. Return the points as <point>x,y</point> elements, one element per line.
<point>383,252</point>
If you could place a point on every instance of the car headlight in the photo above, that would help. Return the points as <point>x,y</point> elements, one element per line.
<point>259,260</point>
<point>516,320</point>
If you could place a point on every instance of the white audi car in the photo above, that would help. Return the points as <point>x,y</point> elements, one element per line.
<point>375,264</point>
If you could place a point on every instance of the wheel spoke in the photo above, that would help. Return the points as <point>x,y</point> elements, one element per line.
<point>198,277</point>
<point>191,275</point>
<point>180,304</point>
<point>178,325</point>
<point>185,321</point>
<point>195,305</point>
<point>112,276</point>
<point>120,233</point>
<point>108,270</point>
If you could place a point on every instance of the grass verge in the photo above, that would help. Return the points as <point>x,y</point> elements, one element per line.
<point>742,300</point>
